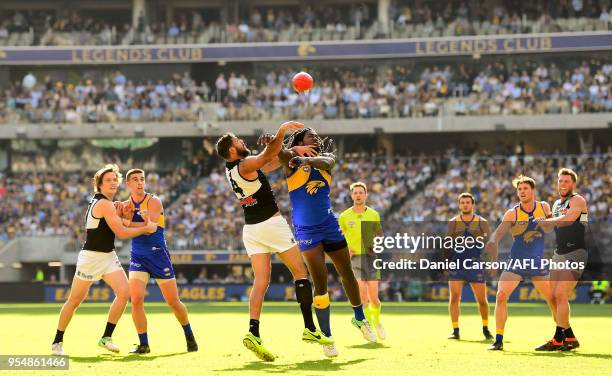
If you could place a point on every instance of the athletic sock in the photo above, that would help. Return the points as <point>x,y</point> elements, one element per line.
<point>375,313</point>
<point>499,337</point>
<point>254,327</point>
<point>456,327</point>
<point>485,325</point>
<point>358,311</point>
<point>368,312</point>
<point>559,335</point>
<point>303,293</point>
<point>569,333</point>
<point>144,339</point>
<point>187,330</point>
<point>323,315</point>
<point>59,336</point>
<point>110,328</point>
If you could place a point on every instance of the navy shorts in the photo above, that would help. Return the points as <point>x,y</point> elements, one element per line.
<point>469,276</point>
<point>156,263</point>
<point>327,233</point>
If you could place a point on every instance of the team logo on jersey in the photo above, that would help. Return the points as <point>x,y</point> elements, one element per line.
<point>249,201</point>
<point>530,236</point>
<point>142,212</point>
<point>306,168</point>
<point>351,224</point>
<point>313,186</point>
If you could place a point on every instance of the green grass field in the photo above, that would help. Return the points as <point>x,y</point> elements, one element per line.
<point>416,341</point>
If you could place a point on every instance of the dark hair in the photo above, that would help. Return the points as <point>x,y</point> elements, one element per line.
<point>325,144</point>
<point>466,195</point>
<point>570,172</point>
<point>134,171</point>
<point>224,143</point>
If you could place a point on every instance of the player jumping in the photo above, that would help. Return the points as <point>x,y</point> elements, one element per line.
<point>317,230</point>
<point>266,231</point>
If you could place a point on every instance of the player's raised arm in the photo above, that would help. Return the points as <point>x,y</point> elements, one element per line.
<point>108,211</point>
<point>500,232</point>
<point>323,162</point>
<point>252,164</point>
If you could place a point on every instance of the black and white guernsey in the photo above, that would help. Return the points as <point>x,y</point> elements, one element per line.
<point>571,237</point>
<point>100,237</point>
<point>256,196</point>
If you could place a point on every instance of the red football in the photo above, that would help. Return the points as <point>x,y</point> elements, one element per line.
<point>302,82</point>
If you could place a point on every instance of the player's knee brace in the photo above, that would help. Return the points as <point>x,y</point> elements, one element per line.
<point>303,291</point>
<point>321,301</point>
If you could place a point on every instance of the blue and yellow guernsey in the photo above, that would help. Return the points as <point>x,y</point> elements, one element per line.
<point>471,229</point>
<point>145,244</point>
<point>309,190</point>
<point>528,237</point>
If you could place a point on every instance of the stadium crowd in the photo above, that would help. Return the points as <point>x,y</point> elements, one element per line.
<point>489,89</point>
<point>310,21</point>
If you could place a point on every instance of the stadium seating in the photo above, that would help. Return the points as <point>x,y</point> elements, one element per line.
<point>488,89</point>
<point>312,22</point>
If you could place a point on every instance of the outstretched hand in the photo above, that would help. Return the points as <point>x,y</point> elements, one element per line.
<point>297,162</point>
<point>305,150</point>
<point>265,139</point>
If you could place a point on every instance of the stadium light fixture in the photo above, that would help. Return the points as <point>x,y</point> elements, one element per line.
<point>55,264</point>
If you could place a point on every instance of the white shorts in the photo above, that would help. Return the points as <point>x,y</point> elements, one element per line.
<point>92,266</point>
<point>271,235</point>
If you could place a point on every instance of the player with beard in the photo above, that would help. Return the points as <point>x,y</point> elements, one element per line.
<point>569,220</point>
<point>468,225</point>
<point>266,231</point>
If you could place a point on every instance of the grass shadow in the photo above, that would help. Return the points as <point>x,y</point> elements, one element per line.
<point>480,341</point>
<point>119,358</point>
<point>561,354</point>
<point>369,345</point>
<point>308,365</point>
